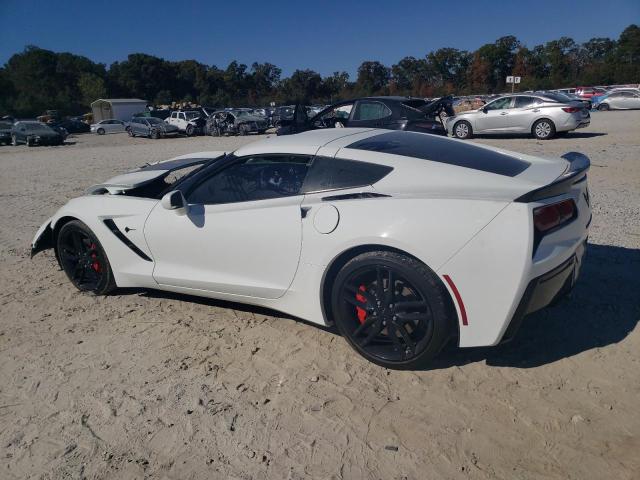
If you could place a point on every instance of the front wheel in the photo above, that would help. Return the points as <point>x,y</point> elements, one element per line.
<point>603,107</point>
<point>155,134</point>
<point>392,309</point>
<point>83,259</point>
<point>189,130</point>
<point>130,132</point>
<point>463,130</point>
<point>544,129</point>
<point>101,131</point>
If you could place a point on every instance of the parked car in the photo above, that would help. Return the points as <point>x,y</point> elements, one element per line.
<point>588,92</point>
<point>35,133</point>
<point>511,234</point>
<point>619,100</point>
<point>189,122</point>
<point>5,132</point>
<point>282,113</point>
<point>393,113</point>
<point>542,115</point>
<point>150,127</point>
<point>109,126</point>
<point>235,122</point>
<point>71,126</point>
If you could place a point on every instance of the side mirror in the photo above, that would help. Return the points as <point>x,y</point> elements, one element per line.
<point>484,109</point>
<point>174,200</point>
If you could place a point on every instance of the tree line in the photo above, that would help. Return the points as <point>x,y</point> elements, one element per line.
<point>37,79</point>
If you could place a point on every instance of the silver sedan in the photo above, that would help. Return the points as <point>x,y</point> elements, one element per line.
<point>537,114</point>
<point>620,100</point>
<point>108,126</point>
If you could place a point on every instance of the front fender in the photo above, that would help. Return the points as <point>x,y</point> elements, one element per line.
<point>43,240</point>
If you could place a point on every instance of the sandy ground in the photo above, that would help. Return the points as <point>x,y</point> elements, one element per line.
<point>159,386</point>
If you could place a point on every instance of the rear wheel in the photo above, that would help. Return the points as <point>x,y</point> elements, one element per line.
<point>544,129</point>
<point>83,259</point>
<point>463,130</point>
<point>392,309</point>
<point>603,107</point>
<point>189,130</point>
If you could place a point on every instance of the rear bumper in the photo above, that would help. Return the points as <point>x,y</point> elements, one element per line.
<point>546,289</point>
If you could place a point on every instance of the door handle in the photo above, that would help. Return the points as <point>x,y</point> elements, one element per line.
<point>504,113</point>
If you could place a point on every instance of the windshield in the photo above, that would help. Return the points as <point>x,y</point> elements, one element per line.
<point>154,121</point>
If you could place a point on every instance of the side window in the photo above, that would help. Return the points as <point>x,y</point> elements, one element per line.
<point>524,102</point>
<point>333,173</point>
<point>254,178</point>
<point>499,104</point>
<point>371,111</point>
<point>181,116</point>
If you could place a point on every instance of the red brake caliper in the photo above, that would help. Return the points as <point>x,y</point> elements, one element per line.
<point>96,264</point>
<point>362,313</point>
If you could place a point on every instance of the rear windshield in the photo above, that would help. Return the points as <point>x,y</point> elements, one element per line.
<point>443,150</point>
<point>557,97</point>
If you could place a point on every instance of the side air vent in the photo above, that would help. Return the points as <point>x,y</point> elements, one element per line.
<point>354,196</point>
<point>111,225</point>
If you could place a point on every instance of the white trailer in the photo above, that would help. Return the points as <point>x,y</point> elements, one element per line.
<point>118,108</point>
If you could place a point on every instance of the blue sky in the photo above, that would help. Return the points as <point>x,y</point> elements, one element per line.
<point>322,35</point>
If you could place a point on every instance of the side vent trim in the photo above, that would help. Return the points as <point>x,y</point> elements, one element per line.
<point>111,225</point>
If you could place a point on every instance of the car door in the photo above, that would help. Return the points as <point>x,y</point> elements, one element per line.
<point>118,126</point>
<point>241,234</point>
<point>633,101</point>
<point>522,115</point>
<point>369,114</point>
<point>493,118</point>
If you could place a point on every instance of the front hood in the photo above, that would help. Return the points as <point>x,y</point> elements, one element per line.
<point>147,174</point>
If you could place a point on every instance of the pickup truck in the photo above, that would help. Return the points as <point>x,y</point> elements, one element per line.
<point>189,122</point>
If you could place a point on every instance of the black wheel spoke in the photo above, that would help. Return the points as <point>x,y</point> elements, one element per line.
<point>393,334</point>
<point>376,328</point>
<point>406,336</point>
<point>356,291</point>
<point>354,301</point>
<point>412,317</point>
<point>406,305</point>
<point>391,288</point>
<point>379,283</point>
<point>367,323</point>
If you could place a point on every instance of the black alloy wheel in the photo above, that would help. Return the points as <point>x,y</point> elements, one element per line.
<point>83,259</point>
<point>392,309</point>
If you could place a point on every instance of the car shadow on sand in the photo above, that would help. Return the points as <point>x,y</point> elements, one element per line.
<point>560,136</point>
<point>602,310</point>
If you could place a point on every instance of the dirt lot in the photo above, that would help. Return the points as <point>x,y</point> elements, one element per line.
<point>152,385</point>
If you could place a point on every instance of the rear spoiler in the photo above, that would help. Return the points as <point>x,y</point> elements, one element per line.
<point>579,163</point>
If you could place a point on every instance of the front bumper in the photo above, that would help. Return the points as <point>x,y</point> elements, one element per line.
<point>547,289</point>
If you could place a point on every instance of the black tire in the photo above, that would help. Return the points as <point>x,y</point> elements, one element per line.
<point>463,130</point>
<point>101,131</point>
<point>242,130</point>
<point>189,130</point>
<point>543,129</point>
<point>83,259</point>
<point>130,132</point>
<point>28,142</point>
<point>155,134</point>
<point>399,328</point>
<point>603,107</point>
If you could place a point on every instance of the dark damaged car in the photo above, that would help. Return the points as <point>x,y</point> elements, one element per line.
<point>393,113</point>
<point>235,122</point>
<point>33,133</point>
<point>5,132</point>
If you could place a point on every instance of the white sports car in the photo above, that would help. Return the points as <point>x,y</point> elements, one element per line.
<point>401,240</point>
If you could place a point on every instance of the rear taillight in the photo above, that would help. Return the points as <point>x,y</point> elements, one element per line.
<point>551,216</point>
<point>571,109</point>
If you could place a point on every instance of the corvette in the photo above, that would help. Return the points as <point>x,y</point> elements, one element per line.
<point>403,241</point>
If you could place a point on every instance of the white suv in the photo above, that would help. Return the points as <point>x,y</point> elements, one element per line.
<point>185,121</point>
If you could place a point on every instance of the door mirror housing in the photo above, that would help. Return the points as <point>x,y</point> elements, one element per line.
<point>175,201</point>
<point>484,109</point>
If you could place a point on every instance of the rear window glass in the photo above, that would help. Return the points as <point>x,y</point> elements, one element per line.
<point>334,173</point>
<point>443,150</point>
